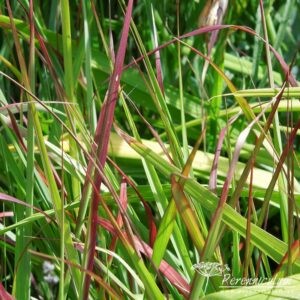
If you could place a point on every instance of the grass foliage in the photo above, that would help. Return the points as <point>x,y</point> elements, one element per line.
<point>149,149</point>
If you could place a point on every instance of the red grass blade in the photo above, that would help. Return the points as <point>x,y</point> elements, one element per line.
<point>283,266</point>
<point>150,218</point>
<point>102,138</point>
<point>207,29</point>
<point>4,294</point>
<point>169,272</point>
<point>214,168</point>
<point>8,198</point>
<point>16,130</point>
<point>6,214</point>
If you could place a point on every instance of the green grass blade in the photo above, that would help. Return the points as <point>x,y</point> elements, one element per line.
<point>272,246</point>
<point>55,196</point>
<point>69,82</point>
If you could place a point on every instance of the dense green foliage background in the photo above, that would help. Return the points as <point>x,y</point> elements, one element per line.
<point>202,163</point>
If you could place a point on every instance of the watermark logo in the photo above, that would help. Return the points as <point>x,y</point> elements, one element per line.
<point>211,269</point>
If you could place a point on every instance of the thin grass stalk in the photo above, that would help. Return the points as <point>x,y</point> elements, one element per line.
<point>3,206</point>
<point>159,100</point>
<point>156,187</point>
<point>87,187</point>
<point>216,226</point>
<point>88,70</point>
<point>291,199</point>
<point>154,36</point>
<point>24,288</point>
<point>247,257</point>
<point>151,288</point>
<point>248,168</point>
<point>101,139</point>
<point>21,257</point>
<point>277,171</point>
<point>282,183</point>
<point>160,243</point>
<point>257,49</point>
<point>101,33</point>
<point>267,45</point>
<point>275,120</point>
<point>236,259</point>
<point>55,196</point>
<point>21,287</point>
<point>224,135</point>
<point>270,23</point>
<point>289,92</point>
<point>69,84</point>
<point>169,218</point>
<point>234,220</point>
<point>63,280</point>
<point>286,16</point>
<point>182,110</point>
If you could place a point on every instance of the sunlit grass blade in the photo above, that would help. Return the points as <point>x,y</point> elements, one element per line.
<point>69,84</point>
<point>168,221</point>
<point>216,227</point>
<point>202,162</point>
<point>272,246</point>
<point>23,274</point>
<point>166,210</point>
<point>185,210</point>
